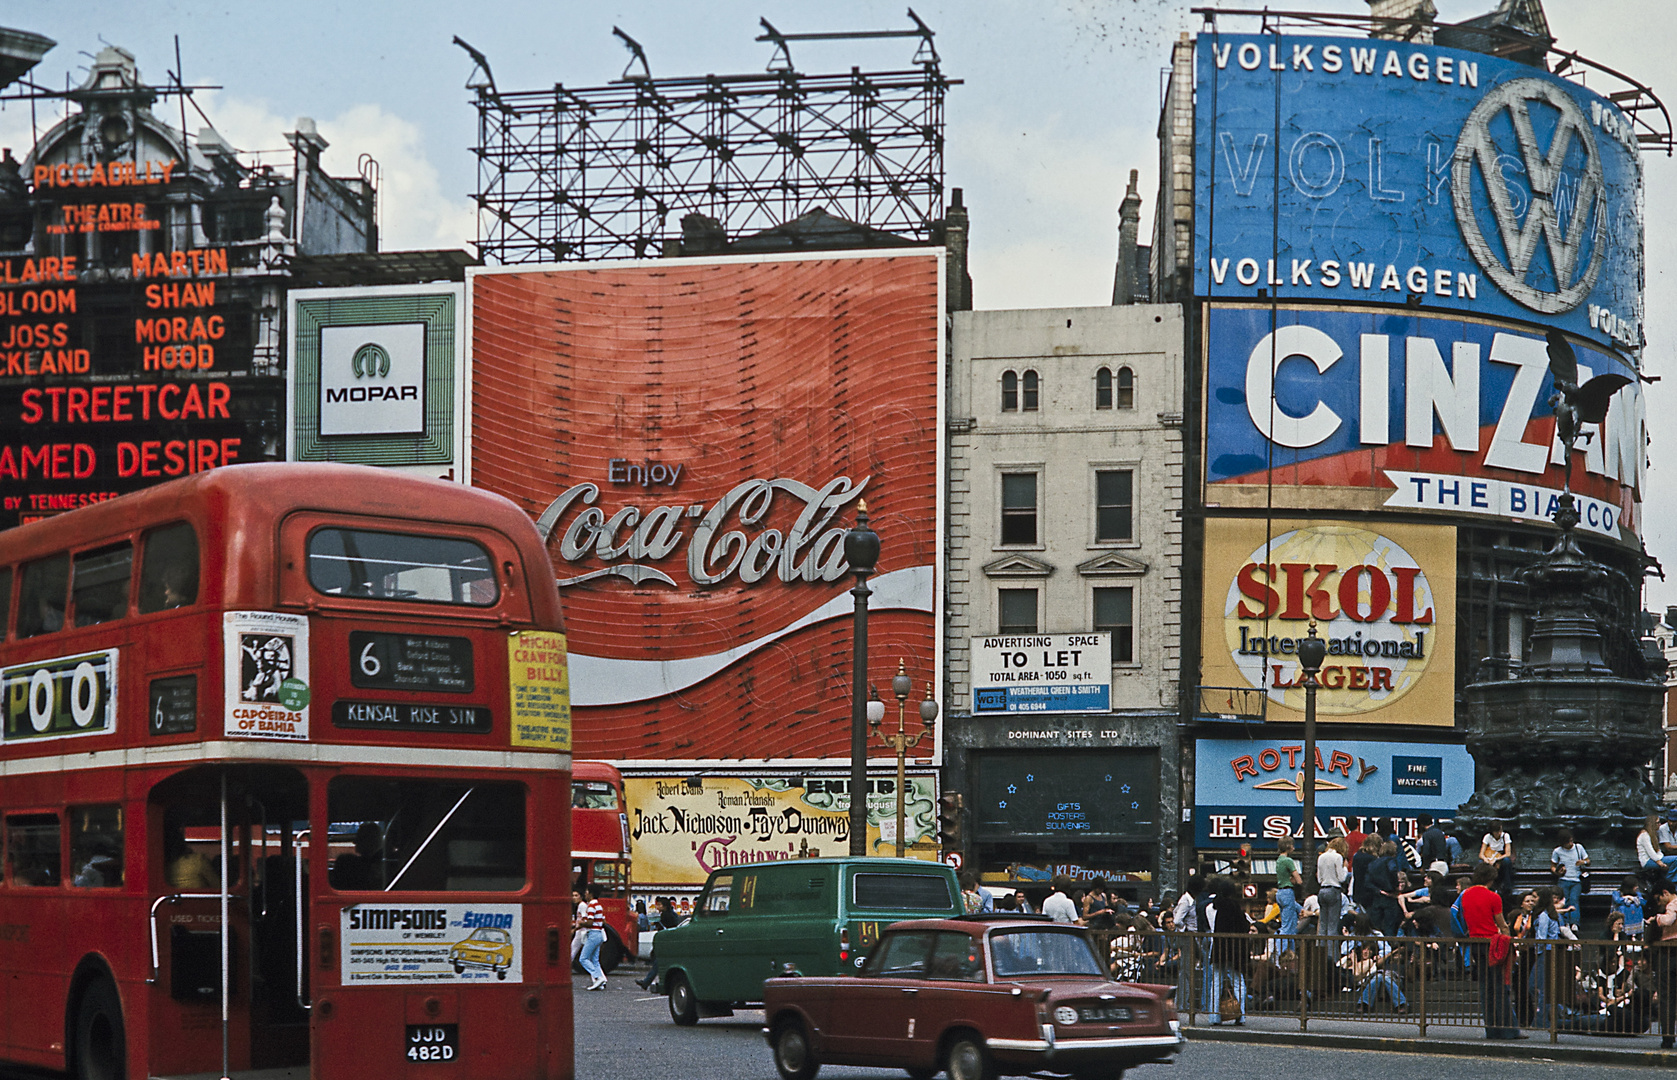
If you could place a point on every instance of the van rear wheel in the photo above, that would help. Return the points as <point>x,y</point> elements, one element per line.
<point>101,1045</point>
<point>684,1007</point>
<point>792,1057</point>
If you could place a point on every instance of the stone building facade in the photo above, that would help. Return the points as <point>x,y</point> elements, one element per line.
<point>1065,479</point>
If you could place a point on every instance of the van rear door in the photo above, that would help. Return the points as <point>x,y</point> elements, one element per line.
<point>874,898</point>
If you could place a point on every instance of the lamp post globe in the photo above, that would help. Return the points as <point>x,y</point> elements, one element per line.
<point>861,552</point>
<point>1312,650</point>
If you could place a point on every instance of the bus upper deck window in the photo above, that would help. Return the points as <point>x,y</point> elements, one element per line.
<point>401,566</point>
<point>169,568</point>
<point>41,596</point>
<point>99,586</point>
<point>593,795</point>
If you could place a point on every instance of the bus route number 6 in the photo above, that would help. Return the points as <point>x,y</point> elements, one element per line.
<point>433,1042</point>
<point>369,661</point>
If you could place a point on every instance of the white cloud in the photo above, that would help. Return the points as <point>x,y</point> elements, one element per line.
<point>416,212</point>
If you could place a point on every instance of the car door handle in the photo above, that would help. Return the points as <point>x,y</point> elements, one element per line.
<point>911,990</point>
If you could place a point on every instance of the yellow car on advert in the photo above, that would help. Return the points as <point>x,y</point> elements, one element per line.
<point>486,947</point>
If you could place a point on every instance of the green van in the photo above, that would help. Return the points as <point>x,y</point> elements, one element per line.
<point>818,915</point>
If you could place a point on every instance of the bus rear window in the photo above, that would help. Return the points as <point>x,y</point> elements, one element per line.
<point>426,835</point>
<point>401,566</point>
<point>593,795</point>
<point>901,892</point>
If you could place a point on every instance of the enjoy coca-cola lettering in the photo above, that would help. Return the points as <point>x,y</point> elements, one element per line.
<point>810,550</point>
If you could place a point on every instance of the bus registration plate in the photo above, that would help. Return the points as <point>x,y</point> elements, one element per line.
<point>433,1042</point>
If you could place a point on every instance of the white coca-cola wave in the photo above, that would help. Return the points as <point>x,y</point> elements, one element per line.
<point>608,680</point>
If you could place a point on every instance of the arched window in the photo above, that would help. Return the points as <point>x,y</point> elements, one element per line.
<point>1030,391</point>
<point>1103,388</point>
<point>1010,391</point>
<point>1126,388</point>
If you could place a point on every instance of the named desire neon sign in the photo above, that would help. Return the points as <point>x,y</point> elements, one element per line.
<point>811,550</point>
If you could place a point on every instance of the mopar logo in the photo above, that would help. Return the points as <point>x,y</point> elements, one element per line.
<point>1553,194</point>
<point>371,361</point>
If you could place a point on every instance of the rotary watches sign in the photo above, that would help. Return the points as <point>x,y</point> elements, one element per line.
<point>1384,601</point>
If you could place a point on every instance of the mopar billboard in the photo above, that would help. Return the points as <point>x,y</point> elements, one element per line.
<point>1343,169</point>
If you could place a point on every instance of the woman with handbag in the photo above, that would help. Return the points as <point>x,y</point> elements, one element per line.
<point>1231,951</point>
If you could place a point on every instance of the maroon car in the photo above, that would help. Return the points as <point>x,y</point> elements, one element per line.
<point>980,997</point>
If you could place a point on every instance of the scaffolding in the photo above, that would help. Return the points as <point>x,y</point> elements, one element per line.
<point>610,172</point>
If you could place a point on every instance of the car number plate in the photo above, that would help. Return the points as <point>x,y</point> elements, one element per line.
<point>1111,1014</point>
<point>433,1042</point>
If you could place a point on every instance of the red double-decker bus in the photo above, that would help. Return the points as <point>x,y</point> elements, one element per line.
<point>285,752</point>
<point>600,853</point>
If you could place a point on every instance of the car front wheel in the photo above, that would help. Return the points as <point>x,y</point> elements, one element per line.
<point>792,1057</point>
<point>684,1007</point>
<point>969,1059</point>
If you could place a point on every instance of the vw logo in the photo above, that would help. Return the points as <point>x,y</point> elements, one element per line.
<point>370,361</point>
<point>1564,204</point>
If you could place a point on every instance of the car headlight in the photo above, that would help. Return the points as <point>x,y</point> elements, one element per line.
<point>1065,1014</point>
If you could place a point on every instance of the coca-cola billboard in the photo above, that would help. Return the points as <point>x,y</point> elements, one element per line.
<point>693,438</point>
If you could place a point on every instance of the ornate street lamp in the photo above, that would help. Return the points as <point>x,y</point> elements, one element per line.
<point>902,742</point>
<point>1312,651</point>
<point>861,551</point>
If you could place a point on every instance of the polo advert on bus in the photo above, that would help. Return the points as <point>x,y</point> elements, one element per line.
<point>60,698</point>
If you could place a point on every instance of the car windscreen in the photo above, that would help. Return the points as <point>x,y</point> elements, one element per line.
<point>901,892</point>
<point>1024,954</point>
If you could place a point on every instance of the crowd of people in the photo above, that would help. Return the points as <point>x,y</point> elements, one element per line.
<point>1397,910</point>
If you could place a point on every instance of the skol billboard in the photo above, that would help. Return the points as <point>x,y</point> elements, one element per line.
<point>1340,169</point>
<point>1384,597</point>
<point>1408,411</point>
<point>683,829</point>
<point>694,438</point>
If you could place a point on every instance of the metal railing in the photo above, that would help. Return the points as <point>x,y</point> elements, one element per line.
<point>1595,986</point>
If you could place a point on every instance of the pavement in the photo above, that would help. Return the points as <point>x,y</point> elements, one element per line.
<point>1636,1051</point>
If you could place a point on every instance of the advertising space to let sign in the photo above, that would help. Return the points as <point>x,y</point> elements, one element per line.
<point>1385,601</point>
<point>1461,180</point>
<point>682,831</point>
<point>266,657</point>
<point>1421,412</point>
<point>431,943</point>
<point>1250,791</point>
<point>1042,673</point>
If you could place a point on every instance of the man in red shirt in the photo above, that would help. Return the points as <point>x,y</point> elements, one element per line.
<point>1482,911</point>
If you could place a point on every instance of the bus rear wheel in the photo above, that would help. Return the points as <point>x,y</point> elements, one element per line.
<point>101,1045</point>
<point>611,954</point>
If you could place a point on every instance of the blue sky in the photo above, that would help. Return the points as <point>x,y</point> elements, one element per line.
<point>1060,100</point>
